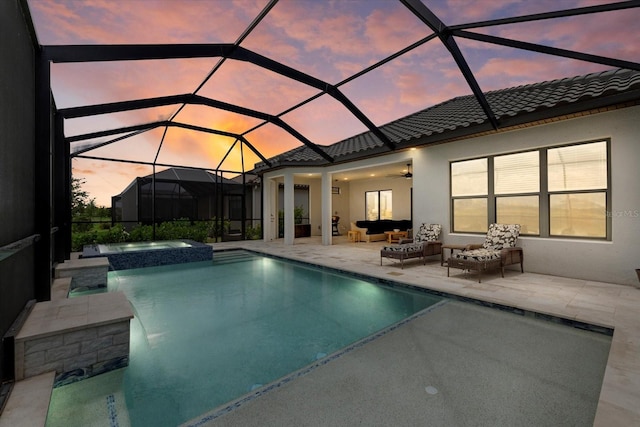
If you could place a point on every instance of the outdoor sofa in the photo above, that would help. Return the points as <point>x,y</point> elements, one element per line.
<point>373,231</point>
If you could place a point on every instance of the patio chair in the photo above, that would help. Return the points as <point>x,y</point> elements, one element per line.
<point>499,249</point>
<point>424,244</point>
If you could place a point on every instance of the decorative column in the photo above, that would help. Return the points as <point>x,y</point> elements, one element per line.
<point>269,205</point>
<point>326,209</point>
<point>289,205</point>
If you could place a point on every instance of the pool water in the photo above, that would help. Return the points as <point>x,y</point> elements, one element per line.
<point>206,333</point>
<point>141,246</point>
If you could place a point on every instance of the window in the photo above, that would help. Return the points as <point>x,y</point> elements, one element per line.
<point>516,180</point>
<point>468,181</point>
<point>470,215</point>
<point>578,179</point>
<point>378,205</point>
<point>559,191</point>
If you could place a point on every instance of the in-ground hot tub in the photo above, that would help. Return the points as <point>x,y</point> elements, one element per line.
<point>124,256</point>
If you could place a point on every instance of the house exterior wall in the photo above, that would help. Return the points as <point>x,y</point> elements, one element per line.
<point>341,203</point>
<point>612,261</point>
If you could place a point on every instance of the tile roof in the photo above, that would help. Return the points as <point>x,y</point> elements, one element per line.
<point>463,116</point>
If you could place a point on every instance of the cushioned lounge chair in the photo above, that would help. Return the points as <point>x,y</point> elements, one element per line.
<point>424,244</point>
<point>499,249</point>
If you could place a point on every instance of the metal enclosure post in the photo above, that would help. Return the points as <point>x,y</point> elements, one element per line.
<point>43,177</point>
<point>62,192</point>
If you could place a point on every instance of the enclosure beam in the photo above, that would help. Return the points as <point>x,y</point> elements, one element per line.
<point>135,52</point>
<point>191,99</point>
<point>149,126</point>
<point>550,15</point>
<point>432,21</point>
<point>565,53</point>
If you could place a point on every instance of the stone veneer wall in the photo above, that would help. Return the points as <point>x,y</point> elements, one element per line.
<point>75,337</point>
<point>75,354</point>
<point>85,273</point>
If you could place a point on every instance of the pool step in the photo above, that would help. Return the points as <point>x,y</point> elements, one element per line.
<point>230,257</point>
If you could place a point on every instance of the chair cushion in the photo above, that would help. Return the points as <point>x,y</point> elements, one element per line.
<point>477,255</point>
<point>404,247</point>
<point>428,233</point>
<point>501,236</point>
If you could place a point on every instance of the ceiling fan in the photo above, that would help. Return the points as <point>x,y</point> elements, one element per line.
<point>407,175</point>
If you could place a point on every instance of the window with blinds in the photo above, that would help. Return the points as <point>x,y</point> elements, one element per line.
<point>516,181</point>
<point>551,192</point>
<point>577,177</point>
<point>468,181</point>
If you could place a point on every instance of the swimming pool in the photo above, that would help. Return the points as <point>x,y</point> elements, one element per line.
<point>111,248</point>
<point>128,255</point>
<point>206,333</point>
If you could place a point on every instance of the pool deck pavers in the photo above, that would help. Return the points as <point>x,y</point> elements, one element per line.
<point>598,303</point>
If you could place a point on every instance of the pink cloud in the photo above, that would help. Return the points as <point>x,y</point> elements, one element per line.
<point>391,32</point>
<point>499,73</point>
<point>92,83</point>
<point>334,40</point>
<point>104,21</point>
<point>331,121</point>
<point>316,26</point>
<point>459,11</point>
<point>254,87</point>
<point>612,34</point>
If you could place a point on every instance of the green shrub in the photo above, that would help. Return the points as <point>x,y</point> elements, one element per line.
<point>141,233</point>
<point>216,228</point>
<point>253,233</point>
<point>180,229</point>
<point>115,234</point>
<point>83,225</point>
<point>170,230</point>
<point>81,238</point>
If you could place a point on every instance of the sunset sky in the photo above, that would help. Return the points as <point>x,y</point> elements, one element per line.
<point>329,40</point>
